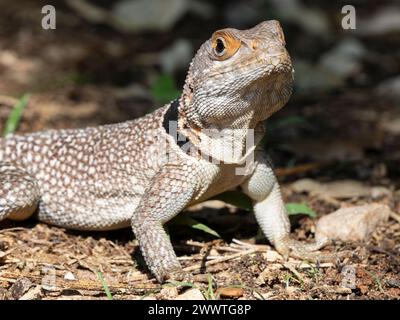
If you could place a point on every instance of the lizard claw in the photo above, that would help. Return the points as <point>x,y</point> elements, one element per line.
<point>180,275</point>
<point>296,249</point>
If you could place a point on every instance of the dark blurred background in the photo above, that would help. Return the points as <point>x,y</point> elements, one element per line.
<point>110,61</point>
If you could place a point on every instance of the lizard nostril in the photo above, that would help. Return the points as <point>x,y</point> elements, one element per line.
<point>276,50</point>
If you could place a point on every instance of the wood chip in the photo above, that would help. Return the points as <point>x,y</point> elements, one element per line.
<point>33,294</point>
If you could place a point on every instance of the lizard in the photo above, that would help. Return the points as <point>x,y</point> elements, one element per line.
<point>142,172</point>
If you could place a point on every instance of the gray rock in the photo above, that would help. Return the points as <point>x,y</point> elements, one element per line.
<point>177,56</point>
<point>168,293</point>
<point>341,189</point>
<point>390,88</point>
<point>382,22</point>
<point>148,14</point>
<point>312,78</point>
<point>139,15</point>
<point>352,223</point>
<point>310,19</point>
<point>344,60</point>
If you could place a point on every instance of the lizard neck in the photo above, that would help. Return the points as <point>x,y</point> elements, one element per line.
<point>231,143</point>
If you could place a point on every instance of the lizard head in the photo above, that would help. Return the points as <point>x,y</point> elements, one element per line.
<point>238,78</point>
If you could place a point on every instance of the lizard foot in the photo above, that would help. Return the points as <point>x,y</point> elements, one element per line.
<point>180,275</point>
<point>168,271</point>
<point>296,249</point>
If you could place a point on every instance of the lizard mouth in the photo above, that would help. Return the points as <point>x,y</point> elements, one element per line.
<point>278,59</point>
<point>279,62</point>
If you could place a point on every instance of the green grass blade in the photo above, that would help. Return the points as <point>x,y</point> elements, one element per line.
<point>200,226</point>
<point>16,114</point>
<point>240,200</point>
<point>164,89</point>
<point>193,223</point>
<point>181,283</point>
<point>300,208</point>
<point>210,291</point>
<point>105,286</point>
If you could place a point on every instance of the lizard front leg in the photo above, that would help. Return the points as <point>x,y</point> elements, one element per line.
<point>170,192</point>
<point>269,209</point>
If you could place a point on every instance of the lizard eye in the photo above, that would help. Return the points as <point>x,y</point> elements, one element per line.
<point>219,48</point>
<point>224,45</point>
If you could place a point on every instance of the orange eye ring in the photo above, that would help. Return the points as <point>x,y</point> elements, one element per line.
<point>224,45</point>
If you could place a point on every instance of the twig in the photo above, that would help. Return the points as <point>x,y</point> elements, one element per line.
<point>313,265</point>
<point>78,284</point>
<point>228,249</point>
<point>186,258</point>
<point>11,230</point>
<point>395,216</point>
<point>333,289</point>
<point>282,172</point>
<point>195,243</point>
<point>241,243</point>
<point>7,100</point>
<point>221,259</point>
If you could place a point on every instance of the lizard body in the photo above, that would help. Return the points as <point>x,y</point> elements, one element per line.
<point>141,173</point>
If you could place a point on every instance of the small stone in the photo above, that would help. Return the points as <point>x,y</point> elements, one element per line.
<point>191,294</point>
<point>380,192</point>
<point>168,293</point>
<point>290,290</point>
<point>353,223</point>
<point>69,276</point>
<point>263,277</point>
<point>230,292</point>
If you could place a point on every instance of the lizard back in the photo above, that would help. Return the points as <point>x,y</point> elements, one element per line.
<point>107,168</point>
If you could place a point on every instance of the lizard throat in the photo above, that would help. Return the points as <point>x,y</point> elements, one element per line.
<point>204,144</point>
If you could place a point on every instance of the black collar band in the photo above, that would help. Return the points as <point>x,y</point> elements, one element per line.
<point>172,116</point>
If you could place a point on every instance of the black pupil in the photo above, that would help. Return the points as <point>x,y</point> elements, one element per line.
<point>220,47</point>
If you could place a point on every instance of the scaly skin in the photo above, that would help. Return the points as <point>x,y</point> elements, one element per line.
<point>136,173</point>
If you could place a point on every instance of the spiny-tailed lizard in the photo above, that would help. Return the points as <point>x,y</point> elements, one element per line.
<point>142,173</point>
